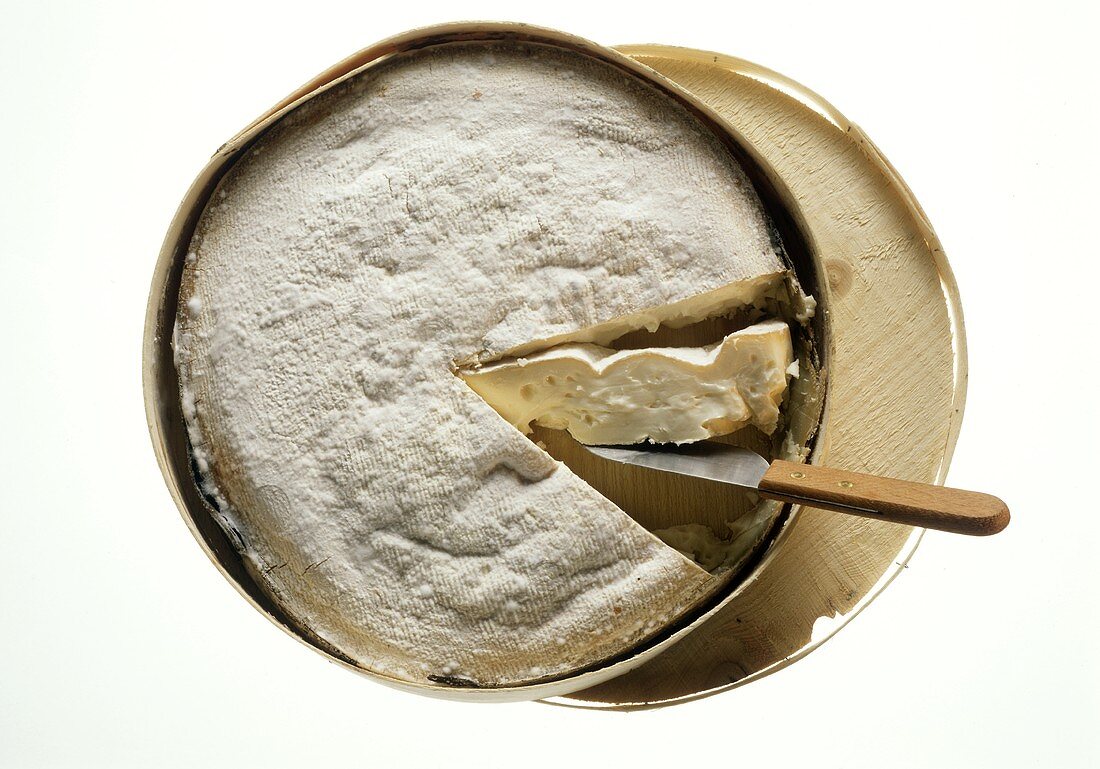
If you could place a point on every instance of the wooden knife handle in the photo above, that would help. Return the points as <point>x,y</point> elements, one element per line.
<point>887,499</point>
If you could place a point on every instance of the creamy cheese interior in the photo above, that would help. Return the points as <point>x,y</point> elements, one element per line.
<point>663,395</point>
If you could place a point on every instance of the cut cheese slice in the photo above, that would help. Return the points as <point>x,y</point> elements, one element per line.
<point>663,395</point>
<point>457,202</point>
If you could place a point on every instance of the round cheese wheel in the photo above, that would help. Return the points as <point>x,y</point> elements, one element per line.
<point>461,202</point>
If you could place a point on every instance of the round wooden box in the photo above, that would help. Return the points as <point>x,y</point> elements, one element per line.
<point>887,295</point>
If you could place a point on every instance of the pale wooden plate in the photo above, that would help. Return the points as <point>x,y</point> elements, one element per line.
<point>897,381</point>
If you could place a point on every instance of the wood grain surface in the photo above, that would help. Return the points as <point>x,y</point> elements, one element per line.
<point>896,387</point>
<point>886,499</point>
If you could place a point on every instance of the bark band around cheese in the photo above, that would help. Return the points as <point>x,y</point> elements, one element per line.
<point>451,203</point>
<point>661,395</point>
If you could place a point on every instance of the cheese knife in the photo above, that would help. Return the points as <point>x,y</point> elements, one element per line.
<point>842,491</point>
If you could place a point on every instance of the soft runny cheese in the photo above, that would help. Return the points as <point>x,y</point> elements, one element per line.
<point>663,395</point>
<point>455,203</point>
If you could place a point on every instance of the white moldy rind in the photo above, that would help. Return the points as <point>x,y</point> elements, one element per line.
<point>662,395</point>
<point>456,202</point>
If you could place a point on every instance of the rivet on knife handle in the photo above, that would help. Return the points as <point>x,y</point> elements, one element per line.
<point>887,499</point>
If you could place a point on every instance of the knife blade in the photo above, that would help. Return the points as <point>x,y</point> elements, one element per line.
<point>714,461</point>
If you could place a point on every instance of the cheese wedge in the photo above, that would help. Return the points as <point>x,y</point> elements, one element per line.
<point>460,202</point>
<point>663,395</point>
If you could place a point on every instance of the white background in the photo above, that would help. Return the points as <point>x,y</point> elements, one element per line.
<point>120,645</point>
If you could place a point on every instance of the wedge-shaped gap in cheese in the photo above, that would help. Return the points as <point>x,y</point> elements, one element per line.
<point>714,524</point>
